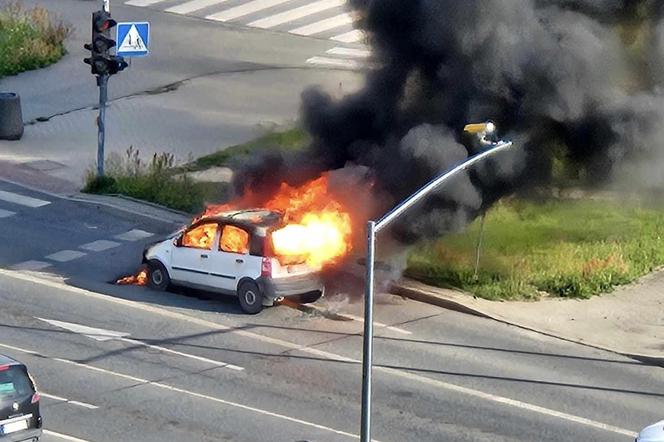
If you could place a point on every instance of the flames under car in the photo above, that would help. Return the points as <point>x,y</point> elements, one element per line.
<point>233,253</point>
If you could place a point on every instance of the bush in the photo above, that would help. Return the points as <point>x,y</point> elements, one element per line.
<point>29,39</point>
<point>155,182</point>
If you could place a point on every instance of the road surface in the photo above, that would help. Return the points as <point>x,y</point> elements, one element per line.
<point>127,363</point>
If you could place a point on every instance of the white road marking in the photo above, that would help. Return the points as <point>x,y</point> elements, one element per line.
<point>63,436</point>
<point>378,324</point>
<point>30,266</point>
<point>186,355</point>
<point>245,9</point>
<point>336,62</point>
<point>349,37</point>
<point>22,200</point>
<point>325,25</point>
<point>349,52</point>
<point>313,351</point>
<point>187,392</point>
<point>99,246</point>
<point>193,5</point>
<point>142,2</point>
<point>102,335</point>
<point>62,399</point>
<point>6,213</point>
<point>296,13</point>
<point>133,235</point>
<point>65,255</point>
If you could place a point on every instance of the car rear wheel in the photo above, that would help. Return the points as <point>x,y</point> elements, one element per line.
<point>251,298</point>
<point>158,278</point>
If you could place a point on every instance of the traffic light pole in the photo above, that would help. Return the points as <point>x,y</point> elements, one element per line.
<point>102,82</point>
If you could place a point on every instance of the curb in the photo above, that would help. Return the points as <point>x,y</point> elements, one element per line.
<point>459,305</point>
<point>134,206</point>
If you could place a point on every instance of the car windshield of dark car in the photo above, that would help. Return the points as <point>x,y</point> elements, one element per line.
<point>14,383</point>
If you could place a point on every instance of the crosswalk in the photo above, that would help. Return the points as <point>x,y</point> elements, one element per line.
<point>325,19</point>
<point>17,204</point>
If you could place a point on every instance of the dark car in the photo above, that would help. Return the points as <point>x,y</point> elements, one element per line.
<point>20,419</point>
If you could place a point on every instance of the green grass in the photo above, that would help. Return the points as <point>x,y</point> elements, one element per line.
<point>155,182</point>
<point>568,248</point>
<point>29,39</point>
<point>293,139</point>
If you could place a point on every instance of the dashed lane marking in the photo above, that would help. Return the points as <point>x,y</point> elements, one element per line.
<point>99,246</point>
<point>22,200</point>
<point>186,392</point>
<point>321,353</point>
<point>62,399</point>
<point>133,235</point>
<point>63,436</point>
<point>30,266</point>
<point>66,255</point>
<point>379,324</point>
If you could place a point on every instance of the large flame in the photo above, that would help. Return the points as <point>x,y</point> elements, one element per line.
<point>317,229</point>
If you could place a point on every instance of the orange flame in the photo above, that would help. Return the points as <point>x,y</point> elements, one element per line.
<point>317,228</point>
<point>140,278</point>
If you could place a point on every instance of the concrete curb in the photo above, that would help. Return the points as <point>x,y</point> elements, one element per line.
<point>134,206</point>
<point>463,303</point>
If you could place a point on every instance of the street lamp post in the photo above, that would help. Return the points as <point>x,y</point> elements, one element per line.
<point>482,130</point>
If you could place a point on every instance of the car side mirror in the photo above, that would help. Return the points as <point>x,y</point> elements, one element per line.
<point>177,241</point>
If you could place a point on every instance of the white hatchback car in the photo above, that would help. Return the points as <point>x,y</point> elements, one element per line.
<point>652,433</point>
<point>231,253</point>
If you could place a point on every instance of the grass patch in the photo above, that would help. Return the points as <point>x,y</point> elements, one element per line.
<point>567,248</point>
<point>29,38</point>
<point>155,182</point>
<point>290,140</point>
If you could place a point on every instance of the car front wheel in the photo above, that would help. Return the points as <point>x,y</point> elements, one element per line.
<point>251,299</point>
<point>158,278</point>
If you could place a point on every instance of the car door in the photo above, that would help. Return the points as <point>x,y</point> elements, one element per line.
<point>190,262</point>
<point>229,261</point>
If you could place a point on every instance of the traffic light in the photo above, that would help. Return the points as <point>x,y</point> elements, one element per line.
<point>101,61</point>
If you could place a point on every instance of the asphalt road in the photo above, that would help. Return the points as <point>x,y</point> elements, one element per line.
<point>190,366</point>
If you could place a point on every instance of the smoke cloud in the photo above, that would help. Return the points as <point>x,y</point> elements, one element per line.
<point>573,79</point>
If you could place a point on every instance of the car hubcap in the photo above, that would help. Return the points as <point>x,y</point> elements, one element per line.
<point>157,277</point>
<point>250,297</point>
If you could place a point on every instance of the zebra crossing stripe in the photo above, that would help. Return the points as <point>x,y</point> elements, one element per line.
<point>193,5</point>
<point>325,25</point>
<point>336,62</point>
<point>245,9</point>
<point>349,37</point>
<point>22,200</point>
<point>349,52</point>
<point>296,13</point>
<point>142,2</point>
<point>6,213</point>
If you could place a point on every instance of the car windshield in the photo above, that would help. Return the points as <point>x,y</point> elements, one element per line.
<point>14,383</point>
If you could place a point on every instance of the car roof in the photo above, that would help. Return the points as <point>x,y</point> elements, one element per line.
<point>6,360</point>
<point>248,217</point>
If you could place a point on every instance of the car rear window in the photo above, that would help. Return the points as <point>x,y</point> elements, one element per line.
<point>14,382</point>
<point>234,239</point>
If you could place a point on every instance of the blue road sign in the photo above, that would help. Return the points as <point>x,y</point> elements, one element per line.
<point>132,39</point>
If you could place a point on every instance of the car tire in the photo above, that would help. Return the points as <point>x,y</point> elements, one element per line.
<point>158,277</point>
<point>251,298</point>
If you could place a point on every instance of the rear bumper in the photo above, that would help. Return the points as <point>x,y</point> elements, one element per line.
<point>292,286</point>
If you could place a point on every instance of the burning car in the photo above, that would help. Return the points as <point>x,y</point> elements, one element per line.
<point>234,252</point>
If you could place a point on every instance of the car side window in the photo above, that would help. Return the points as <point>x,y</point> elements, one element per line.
<point>201,237</point>
<point>234,240</point>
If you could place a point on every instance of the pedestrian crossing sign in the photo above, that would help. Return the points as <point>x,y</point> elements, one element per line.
<point>132,39</point>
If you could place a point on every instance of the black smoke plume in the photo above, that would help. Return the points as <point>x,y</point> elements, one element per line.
<point>572,79</point>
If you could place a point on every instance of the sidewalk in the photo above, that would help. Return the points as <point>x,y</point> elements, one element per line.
<point>629,321</point>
